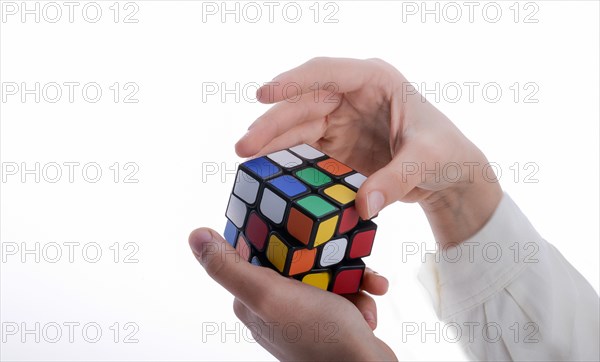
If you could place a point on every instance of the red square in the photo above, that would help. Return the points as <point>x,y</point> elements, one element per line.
<point>349,220</point>
<point>256,231</point>
<point>362,243</point>
<point>347,281</point>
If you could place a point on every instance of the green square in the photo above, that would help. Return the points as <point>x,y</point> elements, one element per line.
<point>313,177</point>
<point>316,205</point>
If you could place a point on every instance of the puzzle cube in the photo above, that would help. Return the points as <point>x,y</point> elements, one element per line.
<point>294,211</point>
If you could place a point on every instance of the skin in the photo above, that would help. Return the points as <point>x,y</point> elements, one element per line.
<point>365,114</point>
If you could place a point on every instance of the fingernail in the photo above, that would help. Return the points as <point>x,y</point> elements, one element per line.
<point>198,242</point>
<point>374,203</point>
<point>369,318</point>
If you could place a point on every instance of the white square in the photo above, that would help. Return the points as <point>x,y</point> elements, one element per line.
<point>333,251</point>
<point>285,159</point>
<point>272,206</point>
<point>356,179</point>
<point>236,211</point>
<point>307,152</point>
<point>246,187</point>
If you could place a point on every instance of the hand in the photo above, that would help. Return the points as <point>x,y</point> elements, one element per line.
<point>366,114</point>
<point>290,319</point>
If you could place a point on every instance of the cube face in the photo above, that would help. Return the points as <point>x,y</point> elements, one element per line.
<point>294,211</point>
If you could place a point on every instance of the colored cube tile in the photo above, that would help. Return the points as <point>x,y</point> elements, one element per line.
<point>332,252</point>
<point>246,187</point>
<point>334,167</point>
<point>256,231</point>
<point>236,211</point>
<point>355,180</point>
<point>277,196</point>
<point>261,168</point>
<point>313,177</point>
<point>285,159</point>
<point>361,240</point>
<point>307,152</point>
<point>343,197</point>
<point>312,220</point>
<point>255,261</point>
<point>231,233</point>
<point>289,257</point>
<point>319,278</point>
<point>243,248</point>
<point>348,277</point>
<point>294,211</point>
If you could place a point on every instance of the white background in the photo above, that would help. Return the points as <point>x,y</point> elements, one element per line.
<point>177,133</point>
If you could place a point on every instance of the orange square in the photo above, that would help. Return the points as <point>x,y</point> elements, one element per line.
<point>334,167</point>
<point>302,261</point>
<point>299,226</point>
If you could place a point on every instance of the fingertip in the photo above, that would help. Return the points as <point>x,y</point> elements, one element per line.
<point>266,93</point>
<point>199,237</point>
<point>369,202</point>
<point>370,319</point>
<point>247,146</point>
<point>375,283</point>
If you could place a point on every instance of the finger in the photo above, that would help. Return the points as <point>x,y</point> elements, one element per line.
<point>222,263</point>
<point>367,307</point>
<point>337,75</point>
<point>387,185</point>
<point>308,132</point>
<point>282,118</point>
<point>373,283</point>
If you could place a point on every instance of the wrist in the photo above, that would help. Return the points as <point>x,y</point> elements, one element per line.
<point>461,210</point>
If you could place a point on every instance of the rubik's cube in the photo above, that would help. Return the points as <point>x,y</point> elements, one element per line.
<point>293,211</point>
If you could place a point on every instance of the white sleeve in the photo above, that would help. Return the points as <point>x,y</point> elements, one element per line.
<point>507,294</point>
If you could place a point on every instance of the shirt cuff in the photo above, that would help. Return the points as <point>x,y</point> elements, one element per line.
<point>464,276</point>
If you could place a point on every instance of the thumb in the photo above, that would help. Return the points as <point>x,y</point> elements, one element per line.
<point>386,186</point>
<point>222,263</point>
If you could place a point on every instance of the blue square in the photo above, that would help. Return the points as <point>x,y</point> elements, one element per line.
<point>255,261</point>
<point>262,167</point>
<point>231,233</point>
<point>289,185</point>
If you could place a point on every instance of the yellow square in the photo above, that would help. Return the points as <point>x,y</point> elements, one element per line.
<point>341,194</point>
<point>319,280</point>
<point>277,252</point>
<point>325,231</point>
